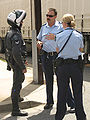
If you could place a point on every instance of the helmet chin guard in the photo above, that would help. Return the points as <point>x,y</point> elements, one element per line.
<point>16,17</point>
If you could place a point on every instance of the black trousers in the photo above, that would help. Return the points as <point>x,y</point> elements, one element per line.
<point>47,64</point>
<point>18,78</point>
<point>64,73</point>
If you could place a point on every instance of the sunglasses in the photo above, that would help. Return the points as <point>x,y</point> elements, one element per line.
<point>49,15</point>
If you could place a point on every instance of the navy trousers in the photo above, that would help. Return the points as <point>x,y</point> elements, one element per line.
<point>18,78</point>
<point>64,73</point>
<point>47,64</point>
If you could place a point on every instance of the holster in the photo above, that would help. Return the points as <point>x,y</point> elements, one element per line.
<point>57,62</point>
<point>60,61</point>
<point>81,63</point>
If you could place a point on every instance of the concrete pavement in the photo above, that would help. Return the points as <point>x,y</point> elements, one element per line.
<point>35,97</point>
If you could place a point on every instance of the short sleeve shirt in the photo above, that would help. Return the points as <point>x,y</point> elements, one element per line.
<point>71,50</point>
<point>49,45</point>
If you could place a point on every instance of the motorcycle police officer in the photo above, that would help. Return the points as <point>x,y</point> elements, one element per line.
<point>15,57</point>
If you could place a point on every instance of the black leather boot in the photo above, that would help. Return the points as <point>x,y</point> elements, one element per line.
<point>19,113</point>
<point>20,99</point>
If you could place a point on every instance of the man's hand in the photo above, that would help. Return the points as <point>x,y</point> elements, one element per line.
<point>26,63</point>
<point>50,36</point>
<point>39,44</point>
<point>57,49</point>
<point>24,70</point>
<point>81,49</point>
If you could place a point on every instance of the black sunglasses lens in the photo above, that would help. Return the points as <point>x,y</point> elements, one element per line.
<point>49,15</point>
<point>46,15</point>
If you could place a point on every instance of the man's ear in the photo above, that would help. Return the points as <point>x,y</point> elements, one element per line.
<point>55,16</point>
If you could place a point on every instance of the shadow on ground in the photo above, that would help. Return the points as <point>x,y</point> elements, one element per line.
<point>44,115</point>
<point>6,106</point>
<point>86,74</point>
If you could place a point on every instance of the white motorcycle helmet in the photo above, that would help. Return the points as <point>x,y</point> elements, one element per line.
<point>16,17</point>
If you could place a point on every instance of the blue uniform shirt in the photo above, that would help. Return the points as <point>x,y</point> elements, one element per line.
<point>71,50</point>
<point>49,45</point>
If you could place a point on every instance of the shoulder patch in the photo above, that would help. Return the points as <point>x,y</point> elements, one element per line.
<point>17,42</point>
<point>44,24</point>
<point>16,39</point>
<point>78,31</point>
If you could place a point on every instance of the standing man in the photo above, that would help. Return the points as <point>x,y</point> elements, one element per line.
<point>15,56</point>
<point>69,67</point>
<point>48,50</point>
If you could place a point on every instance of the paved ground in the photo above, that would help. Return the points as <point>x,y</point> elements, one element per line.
<point>35,96</point>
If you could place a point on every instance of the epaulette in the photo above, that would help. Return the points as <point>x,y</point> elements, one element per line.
<point>78,31</point>
<point>60,22</point>
<point>60,31</point>
<point>44,24</point>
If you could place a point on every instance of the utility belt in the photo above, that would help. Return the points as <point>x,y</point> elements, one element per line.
<point>42,52</point>
<point>67,61</point>
<point>60,61</point>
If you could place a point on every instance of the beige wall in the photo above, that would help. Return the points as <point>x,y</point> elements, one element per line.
<point>6,6</point>
<point>75,7</point>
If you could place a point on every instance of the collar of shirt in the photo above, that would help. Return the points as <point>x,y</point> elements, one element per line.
<point>56,24</point>
<point>68,28</point>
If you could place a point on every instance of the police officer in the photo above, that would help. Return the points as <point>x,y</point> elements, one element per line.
<point>69,68</point>
<point>48,53</point>
<point>15,54</point>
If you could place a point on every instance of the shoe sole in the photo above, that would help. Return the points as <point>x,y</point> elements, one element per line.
<point>19,114</point>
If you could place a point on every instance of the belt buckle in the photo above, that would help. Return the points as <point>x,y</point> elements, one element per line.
<point>51,54</point>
